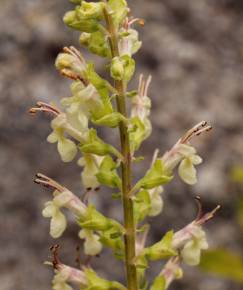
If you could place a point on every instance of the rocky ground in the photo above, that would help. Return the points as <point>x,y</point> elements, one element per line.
<point>194,50</point>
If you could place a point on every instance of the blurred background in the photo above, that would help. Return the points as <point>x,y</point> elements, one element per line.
<point>194,50</point>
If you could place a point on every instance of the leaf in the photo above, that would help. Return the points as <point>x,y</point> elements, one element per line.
<point>223,263</point>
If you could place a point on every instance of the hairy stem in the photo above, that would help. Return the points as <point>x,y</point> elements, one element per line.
<point>129,224</point>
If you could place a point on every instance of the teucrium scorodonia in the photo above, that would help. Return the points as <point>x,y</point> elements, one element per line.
<point>108,30</point>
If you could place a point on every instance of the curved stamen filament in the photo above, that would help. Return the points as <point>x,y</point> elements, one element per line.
<point>44,107</point>
<point>48,182</point>
<point>195,131</point>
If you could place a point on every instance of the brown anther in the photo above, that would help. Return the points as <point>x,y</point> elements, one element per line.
<point>48,182</point>
<point>195,131</point>
<point>55,259</point>
<point>43,107</point>
<point>77,259</point>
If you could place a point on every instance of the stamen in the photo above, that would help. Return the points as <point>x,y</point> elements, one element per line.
<point>208,216</point>
<point>48,182</point>
<point>44,107</point>
<point>147,84</point>
<point>195,131</point>
<point>140,21</point>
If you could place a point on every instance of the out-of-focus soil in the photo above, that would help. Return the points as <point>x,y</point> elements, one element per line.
<point>194,50</point>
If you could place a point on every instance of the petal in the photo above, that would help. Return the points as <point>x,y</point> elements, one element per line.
<point>49,209</point>
<point>187,171</point>
<point>191,254</point>
<point>52,138</point>
<point>186,150</point>
<point>67,149</point>
<point>196,159</point>
<point>62,198</point>
<point>58,224</point>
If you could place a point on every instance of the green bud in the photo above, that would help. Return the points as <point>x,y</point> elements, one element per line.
<point>129,67</point>
<point>70,62</point>
<point>84,38</point>
<point>72,20</point>
<point>117,69</point>
<point>119,10</point>
<point>122,68</point>
<point>91,10</point>
<point>98,44</point>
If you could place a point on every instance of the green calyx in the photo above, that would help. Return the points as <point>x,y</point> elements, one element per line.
<point>107,174</point>
<point>122,68</point>
<point>155,176</point>
<point>161,250</point>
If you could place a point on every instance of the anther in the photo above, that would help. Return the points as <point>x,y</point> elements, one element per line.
<point>48,182</point>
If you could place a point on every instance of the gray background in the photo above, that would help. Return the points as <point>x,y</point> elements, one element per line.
<point>194,50</point>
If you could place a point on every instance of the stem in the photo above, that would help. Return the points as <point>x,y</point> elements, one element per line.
<point>129,224</point>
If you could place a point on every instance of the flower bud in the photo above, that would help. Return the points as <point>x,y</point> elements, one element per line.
<point>72,20</point>
<point>90,10</point>
<point>84,38</point>
<point>117,69</point>
<point>70,62</point>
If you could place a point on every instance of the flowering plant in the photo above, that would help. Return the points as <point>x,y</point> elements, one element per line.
<point>107,30</point>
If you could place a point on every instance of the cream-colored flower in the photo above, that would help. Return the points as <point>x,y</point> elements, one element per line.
<point>92,245</point>
<point>186,168</point>
<point>52,210</point>
<point>66,148</point>
<point>58,221</point>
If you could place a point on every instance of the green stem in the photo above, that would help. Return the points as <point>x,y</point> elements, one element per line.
<point>129,224</point>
